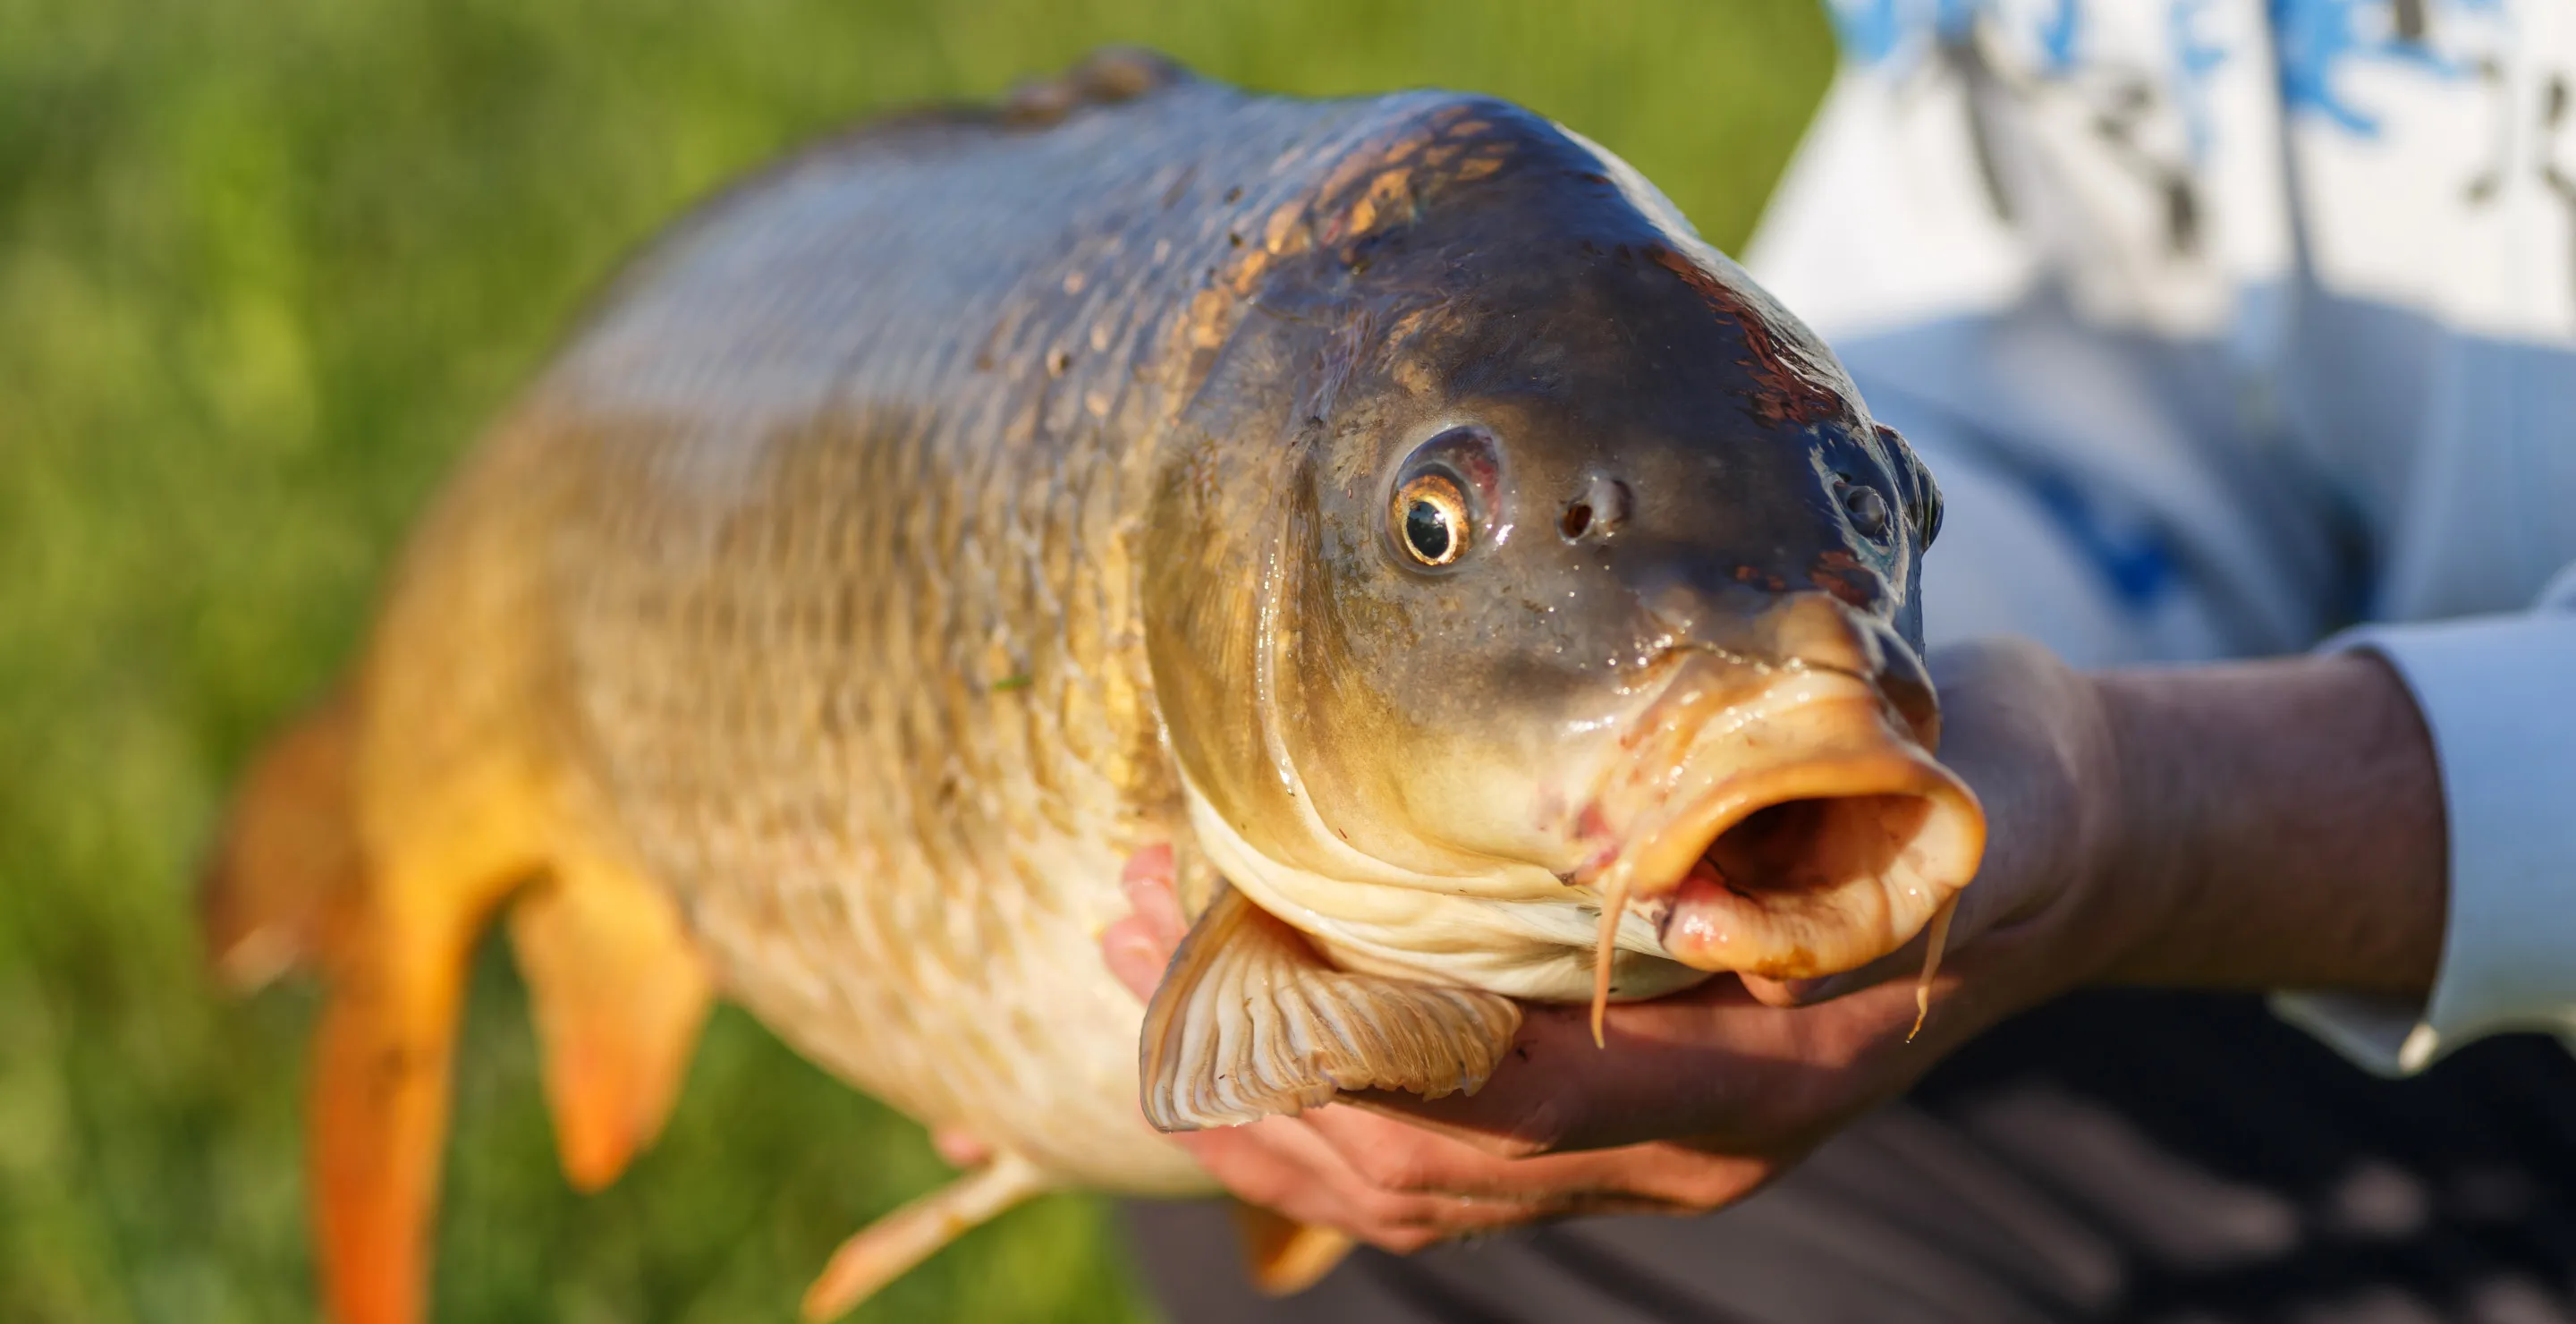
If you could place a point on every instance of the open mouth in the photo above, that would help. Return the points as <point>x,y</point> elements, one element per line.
<point>1807,847</point>
<point>1796,832</point>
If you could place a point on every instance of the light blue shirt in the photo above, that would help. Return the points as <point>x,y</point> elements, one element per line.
<point>2225,326</point>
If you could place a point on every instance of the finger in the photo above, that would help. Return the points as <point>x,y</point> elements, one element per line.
<point>1714,1062</point>
<point>1258,1168</point>
<point>1284,1164</point>
<point>1665,1178</point>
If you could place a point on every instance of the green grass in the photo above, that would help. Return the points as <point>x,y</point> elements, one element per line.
<point>264,265</point>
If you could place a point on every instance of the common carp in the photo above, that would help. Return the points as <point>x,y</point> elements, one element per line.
<point>1390,506</point>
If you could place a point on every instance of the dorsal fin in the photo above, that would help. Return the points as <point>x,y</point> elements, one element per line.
<point>1105,77</point>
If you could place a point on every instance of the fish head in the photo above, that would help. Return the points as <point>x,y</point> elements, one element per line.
<point>1575,606</point>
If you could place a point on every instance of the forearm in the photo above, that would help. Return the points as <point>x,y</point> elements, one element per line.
<point>2275,824</point>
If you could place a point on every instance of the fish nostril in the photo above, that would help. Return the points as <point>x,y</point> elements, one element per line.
<point>1596,512</point>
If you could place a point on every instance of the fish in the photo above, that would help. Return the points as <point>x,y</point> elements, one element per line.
<point>1390,507</point>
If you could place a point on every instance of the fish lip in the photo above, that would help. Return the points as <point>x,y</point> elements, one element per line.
<point>1658,866</point>
<point>1871,750</point>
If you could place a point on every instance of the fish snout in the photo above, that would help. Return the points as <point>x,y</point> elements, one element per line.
<point>1808,630</point>
<point>1823,632</point>
<point>1785,816</point>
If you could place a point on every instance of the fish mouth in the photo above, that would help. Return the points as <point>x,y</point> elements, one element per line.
<point>1785,826</point>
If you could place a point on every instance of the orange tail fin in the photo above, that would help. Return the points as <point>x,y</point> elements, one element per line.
<point>379,1107</point>
<point>289,849</point>
<point>389,914</point>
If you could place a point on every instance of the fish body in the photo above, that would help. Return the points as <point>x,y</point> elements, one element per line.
<point>945,515</point>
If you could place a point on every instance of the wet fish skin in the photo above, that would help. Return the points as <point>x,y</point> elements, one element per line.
<point>861,532</point>
<point>1570,313</point>
<point>847,559</point>
<point>939,518</point>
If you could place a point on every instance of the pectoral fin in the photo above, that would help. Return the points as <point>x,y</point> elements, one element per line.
<point>1252,1022</point>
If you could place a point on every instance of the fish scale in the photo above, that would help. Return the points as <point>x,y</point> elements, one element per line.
<point>939,524</point>
<point>916,943</point>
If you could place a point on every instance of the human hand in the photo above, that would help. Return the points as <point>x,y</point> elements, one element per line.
<point>1701,1097</point>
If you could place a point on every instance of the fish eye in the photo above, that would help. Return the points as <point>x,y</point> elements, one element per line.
<point>1449,499</point>
<point>1430,517</point>
<point>1867,509</point>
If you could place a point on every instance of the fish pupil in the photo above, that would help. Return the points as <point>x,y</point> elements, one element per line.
<point>1426,527</point>
<point>1867,509</point>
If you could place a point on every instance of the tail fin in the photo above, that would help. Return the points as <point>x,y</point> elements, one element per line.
<point>289,849</point>
<point>391,924</point>
<point>618,995</point>
<point>378,1111</point>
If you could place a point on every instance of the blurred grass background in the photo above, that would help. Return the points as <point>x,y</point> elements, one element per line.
<point>264,265</point>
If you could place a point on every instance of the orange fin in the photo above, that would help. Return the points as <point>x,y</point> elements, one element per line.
<point>289,848</point>
<point>887,1248</point>
<point>292,884</point>
<point>619,994</point>
<point>379,1107</point>
<point>388,907</point>
<point>1106,77</point>
<point>1283,1256</point>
